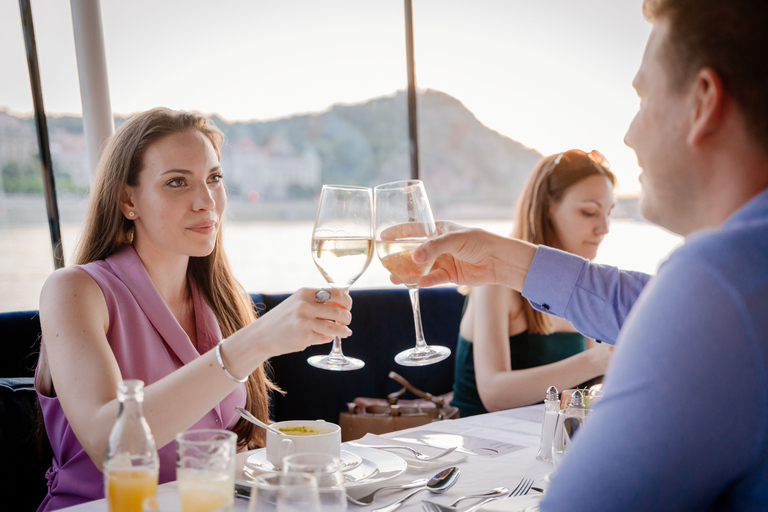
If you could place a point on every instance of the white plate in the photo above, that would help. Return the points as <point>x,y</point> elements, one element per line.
<point>257,463</point>
<point>376,466</point>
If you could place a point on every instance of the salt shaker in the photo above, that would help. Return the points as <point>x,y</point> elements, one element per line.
<point>551,408</point>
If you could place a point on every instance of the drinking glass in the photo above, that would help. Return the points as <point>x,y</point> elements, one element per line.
<point>569,422</point>
<point>342,247</point>
<point>327,471</point>
<point>205,462</point>
<point>170,500</point>
<point>281,492</point>
<point>404,221</point>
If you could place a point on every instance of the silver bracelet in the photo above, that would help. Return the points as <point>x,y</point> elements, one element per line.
<point>224,367</point>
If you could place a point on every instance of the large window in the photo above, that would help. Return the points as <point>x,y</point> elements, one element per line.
<point>313,92</point>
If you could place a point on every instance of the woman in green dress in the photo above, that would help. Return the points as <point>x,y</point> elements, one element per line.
<point>508,354</point>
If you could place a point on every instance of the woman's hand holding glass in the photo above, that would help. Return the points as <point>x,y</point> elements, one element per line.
<point>296,323</point>
<point>342,248</point>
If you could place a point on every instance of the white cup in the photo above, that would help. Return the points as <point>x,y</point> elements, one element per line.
<point>303,436</point>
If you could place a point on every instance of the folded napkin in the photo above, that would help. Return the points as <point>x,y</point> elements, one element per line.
<point>527,503</point>
<point>414,465</point>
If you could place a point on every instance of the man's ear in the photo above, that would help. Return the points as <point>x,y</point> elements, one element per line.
<point>707,108</point>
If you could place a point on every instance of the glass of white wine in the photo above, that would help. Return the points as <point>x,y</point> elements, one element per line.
<point>342,247</point>
<point>404,221</point>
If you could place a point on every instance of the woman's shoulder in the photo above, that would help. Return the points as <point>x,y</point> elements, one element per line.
<point>74,277</point>
<point>499,298</point>
<point>69,283</point>
<point>69,297</point>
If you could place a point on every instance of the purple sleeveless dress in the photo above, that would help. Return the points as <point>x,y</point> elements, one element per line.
<point>148,344</point>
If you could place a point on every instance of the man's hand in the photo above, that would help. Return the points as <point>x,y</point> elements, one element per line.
<point>473,257</point>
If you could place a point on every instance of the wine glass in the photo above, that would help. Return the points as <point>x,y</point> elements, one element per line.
<point>342,247</point>
<point>403,222</point>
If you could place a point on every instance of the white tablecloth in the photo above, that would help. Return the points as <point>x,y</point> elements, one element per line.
<point>482,471</point>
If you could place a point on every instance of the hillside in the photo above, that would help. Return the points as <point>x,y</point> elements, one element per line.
<point>467,167</point>
<point>461,160</point>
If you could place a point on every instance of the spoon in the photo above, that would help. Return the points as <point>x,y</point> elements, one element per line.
<point>437,484</point>
<point>368,499</point>
<point>246,415</point>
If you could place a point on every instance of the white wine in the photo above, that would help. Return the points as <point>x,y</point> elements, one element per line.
<point>342,260</point>
<point>397,257</point>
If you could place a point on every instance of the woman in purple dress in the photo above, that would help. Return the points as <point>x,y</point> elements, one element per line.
<point>152,297</point>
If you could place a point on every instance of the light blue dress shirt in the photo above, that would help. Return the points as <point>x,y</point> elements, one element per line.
<point>682,425</point>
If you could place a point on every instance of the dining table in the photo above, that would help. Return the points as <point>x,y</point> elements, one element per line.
<point>496,449</point>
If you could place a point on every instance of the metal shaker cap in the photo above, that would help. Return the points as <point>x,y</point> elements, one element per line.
<point>551,393</point>
<point>577,399</point>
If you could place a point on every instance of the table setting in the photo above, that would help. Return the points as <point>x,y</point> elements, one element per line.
<point>492,454</point>
<point>489,452</point>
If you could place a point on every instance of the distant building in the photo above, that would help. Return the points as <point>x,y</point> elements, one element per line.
<point>18,141</point>
<point>270,170</point>
<point>68,152</point>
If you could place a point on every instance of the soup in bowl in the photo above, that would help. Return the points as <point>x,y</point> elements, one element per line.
<point>302,436</point>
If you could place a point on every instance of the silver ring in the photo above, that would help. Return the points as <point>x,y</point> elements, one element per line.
<point>323,295</point>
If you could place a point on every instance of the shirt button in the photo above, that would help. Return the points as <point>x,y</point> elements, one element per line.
<point>545,307</point>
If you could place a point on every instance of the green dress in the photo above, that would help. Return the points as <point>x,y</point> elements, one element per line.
<point>527,350</point>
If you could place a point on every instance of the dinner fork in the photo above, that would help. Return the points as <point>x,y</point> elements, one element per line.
<point>522,489</point>
<point>417,454</point>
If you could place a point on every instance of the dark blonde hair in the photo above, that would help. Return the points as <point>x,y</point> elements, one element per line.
<point>547,185</point>
<point>106,230</point>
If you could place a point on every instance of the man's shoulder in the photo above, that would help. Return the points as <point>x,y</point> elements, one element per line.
<point>736,254</point>
<point>729,246</point>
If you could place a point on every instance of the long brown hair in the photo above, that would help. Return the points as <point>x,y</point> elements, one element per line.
<point>106,230</point>
<point>547,185</point>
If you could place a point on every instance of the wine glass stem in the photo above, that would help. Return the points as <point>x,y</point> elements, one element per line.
<point>336,354</point>
<point>421,345</point>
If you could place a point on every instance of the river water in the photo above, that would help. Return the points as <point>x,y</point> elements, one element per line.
<point>275,256</point>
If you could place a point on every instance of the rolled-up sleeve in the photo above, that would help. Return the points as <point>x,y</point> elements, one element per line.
<point>596,299</point>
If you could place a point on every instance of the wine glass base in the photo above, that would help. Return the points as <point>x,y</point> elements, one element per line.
<point>338,364</point>
<point>415,357</point>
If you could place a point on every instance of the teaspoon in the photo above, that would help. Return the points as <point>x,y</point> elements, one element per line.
<point>437,484</point>
<point>246,415</point>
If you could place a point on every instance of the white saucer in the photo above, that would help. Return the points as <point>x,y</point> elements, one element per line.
<point>257,463</point>
<point>375,466</point>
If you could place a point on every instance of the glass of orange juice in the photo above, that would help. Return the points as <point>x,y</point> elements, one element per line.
<point>205,462</point>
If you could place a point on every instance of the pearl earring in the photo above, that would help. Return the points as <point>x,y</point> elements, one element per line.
<point>131,214</point>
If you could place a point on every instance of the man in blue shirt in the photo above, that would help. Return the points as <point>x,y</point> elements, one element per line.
<point>684,421</point>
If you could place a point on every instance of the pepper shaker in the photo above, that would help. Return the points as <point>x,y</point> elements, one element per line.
<point>551,409</point>
<point>569,422</point>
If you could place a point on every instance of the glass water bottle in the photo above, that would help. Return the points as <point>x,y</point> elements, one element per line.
<point>131,463</point>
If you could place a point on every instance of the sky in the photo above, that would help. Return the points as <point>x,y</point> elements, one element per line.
<point>552,74</point>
